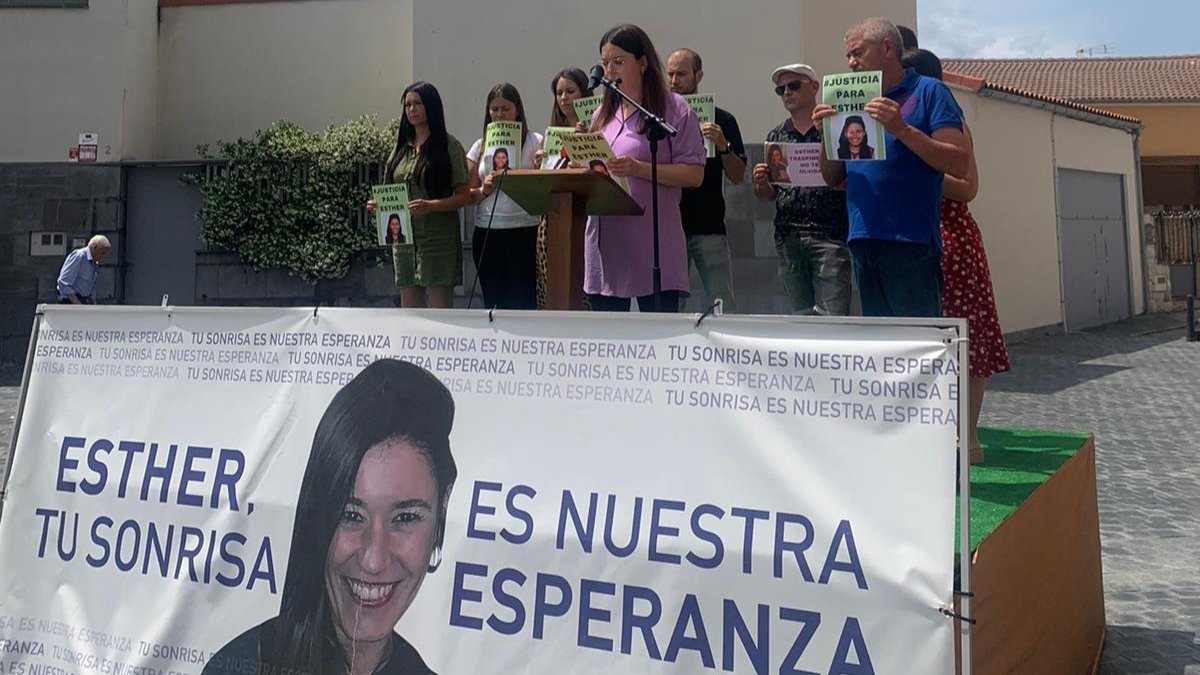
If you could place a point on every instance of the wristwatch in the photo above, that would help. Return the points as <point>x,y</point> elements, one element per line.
<point>728,149</point>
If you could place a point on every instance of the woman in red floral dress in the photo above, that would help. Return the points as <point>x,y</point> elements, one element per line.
<point>966,280</point>
<point>967,293</point>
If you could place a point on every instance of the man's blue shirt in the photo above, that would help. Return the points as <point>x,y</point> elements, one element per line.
<point>899,198</point>
<point>78,275</point>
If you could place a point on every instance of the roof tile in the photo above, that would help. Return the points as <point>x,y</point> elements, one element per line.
<point>1093,80</point>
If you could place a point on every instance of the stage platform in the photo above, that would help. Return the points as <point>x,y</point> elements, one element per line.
<point>1035,540</point>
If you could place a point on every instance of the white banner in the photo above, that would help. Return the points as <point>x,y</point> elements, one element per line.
<point>195,490</point>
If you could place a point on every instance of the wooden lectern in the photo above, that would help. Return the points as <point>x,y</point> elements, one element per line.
<point>566,197</point>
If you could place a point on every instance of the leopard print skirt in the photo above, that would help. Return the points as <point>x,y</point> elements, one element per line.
<point>541,261</point>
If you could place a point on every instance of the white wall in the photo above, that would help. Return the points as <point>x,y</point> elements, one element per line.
<point>1016,148</point>
<point>229,70</point>
<point>69,71</point>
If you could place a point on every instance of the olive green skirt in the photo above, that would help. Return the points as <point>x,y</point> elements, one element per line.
<point>435,256</point>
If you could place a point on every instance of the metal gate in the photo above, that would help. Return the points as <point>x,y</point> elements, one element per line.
<point>161,235</point>
<point>1093,235</point>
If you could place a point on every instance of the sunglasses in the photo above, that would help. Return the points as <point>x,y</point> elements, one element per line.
<point>794,85</point>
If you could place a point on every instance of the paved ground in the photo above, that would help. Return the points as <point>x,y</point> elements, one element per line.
<point>1136,385</point>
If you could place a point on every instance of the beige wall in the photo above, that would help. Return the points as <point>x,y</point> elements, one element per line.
<point>226,71</point>
<point>824,24</point>
<point>139,67</point>
<point>1016,148</point>
<point>1171,130</point>
<point>70,71</point>
<point>741,43</point>
<point>156,83</point>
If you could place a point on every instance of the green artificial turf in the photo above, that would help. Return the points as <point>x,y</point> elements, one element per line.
<point>1016,461</point>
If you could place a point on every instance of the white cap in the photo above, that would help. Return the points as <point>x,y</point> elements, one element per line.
<point>802,69</point>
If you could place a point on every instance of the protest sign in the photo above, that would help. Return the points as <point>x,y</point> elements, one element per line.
<point>392,223</point>
<point>705,106</point>
<point>586,107</point>
<point>593,152</point>
<point>794,164</point>
<point>502,146</point>
<point>553,147</point>
<point>852,135</point>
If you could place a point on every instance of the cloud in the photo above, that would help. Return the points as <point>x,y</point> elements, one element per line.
<point>953,29</point>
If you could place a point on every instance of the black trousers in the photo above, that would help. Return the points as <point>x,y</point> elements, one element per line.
<point>607,303</point>
<point>506,262</point>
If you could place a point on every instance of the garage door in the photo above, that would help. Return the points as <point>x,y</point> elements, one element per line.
<point>1093,247</point>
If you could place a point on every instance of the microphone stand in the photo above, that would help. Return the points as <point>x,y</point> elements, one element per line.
<point>655,129</point>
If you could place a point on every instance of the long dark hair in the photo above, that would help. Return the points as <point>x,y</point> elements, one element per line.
<point>507,92</point>
<point>557,117</point>
<point>388,400</point>
<point>654,83</point>
<point>433,165</point>
<point>865,150</point>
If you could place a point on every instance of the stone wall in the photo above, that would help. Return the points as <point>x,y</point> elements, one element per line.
<point>74,200</point>
<point>223,280</point>
<point>1166,285</point>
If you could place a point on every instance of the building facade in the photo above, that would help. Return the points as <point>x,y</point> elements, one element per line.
<point>153,79</point>
<point>1161,91</point>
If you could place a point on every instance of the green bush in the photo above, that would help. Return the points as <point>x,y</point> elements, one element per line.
<point>288,198</point>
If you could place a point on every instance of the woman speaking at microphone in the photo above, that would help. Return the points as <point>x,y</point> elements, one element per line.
<point>619,250</point>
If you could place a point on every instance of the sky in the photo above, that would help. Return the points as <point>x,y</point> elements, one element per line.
<point>1057,28</point>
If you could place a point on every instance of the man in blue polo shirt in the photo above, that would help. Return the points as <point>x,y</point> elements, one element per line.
<point>894,204</point>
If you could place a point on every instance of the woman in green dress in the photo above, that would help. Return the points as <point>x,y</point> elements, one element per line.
<point>434,166</point>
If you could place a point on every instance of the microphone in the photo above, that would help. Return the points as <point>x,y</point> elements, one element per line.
<point>595,76</point>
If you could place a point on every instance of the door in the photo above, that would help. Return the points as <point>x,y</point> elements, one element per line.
<point>162,234</point>
<point>1093,236</point>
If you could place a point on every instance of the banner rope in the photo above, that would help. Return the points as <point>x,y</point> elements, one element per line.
<point>715,309</point>
<point>955,615</point>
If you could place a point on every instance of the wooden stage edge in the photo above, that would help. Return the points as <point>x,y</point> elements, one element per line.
<point>1037,581</point>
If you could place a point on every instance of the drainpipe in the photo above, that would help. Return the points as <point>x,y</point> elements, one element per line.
<point>120,286</point>
<point>1062,282</point>
<point>1141,209</point>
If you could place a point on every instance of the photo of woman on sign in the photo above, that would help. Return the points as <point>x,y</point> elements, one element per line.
<point>395,233</point>
<point>500,160</point>
<point>853,142</point>
<point>370,521</point>
<point>777,164</point>
<point>598,166</point>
